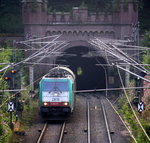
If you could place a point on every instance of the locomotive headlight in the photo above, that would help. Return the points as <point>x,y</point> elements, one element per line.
<point>45,103</point>
<point>56,94</point>
<point>65,103</point>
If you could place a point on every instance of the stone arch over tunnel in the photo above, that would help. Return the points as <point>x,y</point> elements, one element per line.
<point>83,64</point>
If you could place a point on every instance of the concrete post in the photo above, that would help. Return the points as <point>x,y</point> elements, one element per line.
<point>127,76</point>
<point>31,76</point>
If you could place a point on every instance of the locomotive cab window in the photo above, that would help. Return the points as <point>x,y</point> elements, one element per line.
<point>58,86</point>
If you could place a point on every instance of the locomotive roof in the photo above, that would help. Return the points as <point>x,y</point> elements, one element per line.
<point>60,72</point>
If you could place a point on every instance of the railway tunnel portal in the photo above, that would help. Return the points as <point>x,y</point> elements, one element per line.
<point>82,25</point>
<point>81,61</point>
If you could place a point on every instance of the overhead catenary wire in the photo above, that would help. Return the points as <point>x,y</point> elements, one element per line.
<point>42,51</point>
<point>128,57</point>
<point>140,47</point>
<point>55,49</point>
<point>132,107</point>
<point>121,55</point>
<point>14,64</point>
<point>12,90</point>
<point>33,55</point>
<point>106,79</point>
<point>122,121</point>
<point>133,73</point>
<point>42,48</point>
<point>43,38</point>
<point>109,89</point>
<point>112,51</point>
<point>133,55</point>
<point>121,64</point>
<point>18,92</point>
<point>44,64</point>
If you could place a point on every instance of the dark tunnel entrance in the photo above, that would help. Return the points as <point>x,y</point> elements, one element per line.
<point>88,74</point>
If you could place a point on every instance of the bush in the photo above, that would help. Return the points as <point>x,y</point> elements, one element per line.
<point>1,129</point>
<point>127,114</point>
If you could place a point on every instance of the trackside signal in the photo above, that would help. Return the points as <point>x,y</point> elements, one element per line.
<point>7,77</point>
<point>13,71</point>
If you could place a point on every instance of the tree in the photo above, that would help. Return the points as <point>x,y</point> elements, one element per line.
<point>146,43</point>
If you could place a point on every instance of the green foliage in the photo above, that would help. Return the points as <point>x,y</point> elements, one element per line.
<point>11,20</point>
<point>6,57</point>
<point>134,126</point>
<point>115,5</point>
<point>10,17</point>
<point>1,129</point>
<point>34,5</point>
<point>146,43</point>
<point>5,132</point>
<point>126,2</point>
<point>10,23</point>
<point>29,113</point>
<point>144,12</point>
<point>146,40</point>
<point>92,5</point>
<point>147,59</point>
<point>49,10</point>
<point>30,110</point>
<point>83,5</point>
<point>5,54</point>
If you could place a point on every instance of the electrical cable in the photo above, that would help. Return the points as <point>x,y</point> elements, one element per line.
<point>131,106</point>
<point>133,73</point>
<point>43,38</point>
<point>18,92</point>
<point>33,55</point>
<point>124,56</point>
<point>129,58</point>
<point>117,55</point>
<point>106,79</point>
<point>122,121</point>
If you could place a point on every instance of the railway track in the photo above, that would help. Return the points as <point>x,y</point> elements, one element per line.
<point>106,122</point>
<point>103,124</point>
<point>88,123</point>
<point>52,132</point>
<point>42,133</point>
<point>93,121</point>
<point>97,122</point>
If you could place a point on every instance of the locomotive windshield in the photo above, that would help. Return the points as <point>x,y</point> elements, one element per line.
<point>55,86</point>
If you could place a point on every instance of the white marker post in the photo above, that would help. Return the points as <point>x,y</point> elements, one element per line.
<point>11,109</point>
<point>140,107</point>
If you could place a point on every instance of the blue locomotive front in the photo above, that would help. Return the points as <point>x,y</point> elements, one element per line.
<point>56,93</point>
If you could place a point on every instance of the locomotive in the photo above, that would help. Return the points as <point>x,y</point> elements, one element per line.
<point>56,94</point>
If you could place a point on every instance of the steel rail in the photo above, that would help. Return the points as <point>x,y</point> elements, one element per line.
<point>131,134</point>
<point>42,133</point>
<point>106,123</point>
<point>62,132</point>
<point>88,123</point>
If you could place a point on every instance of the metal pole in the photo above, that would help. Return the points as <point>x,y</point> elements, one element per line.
<point>138,42</point>
<point>88,114</point>
<point>11,124</point>
<point>10,87</point>
<point>31,74</point>
<point>127,76</point>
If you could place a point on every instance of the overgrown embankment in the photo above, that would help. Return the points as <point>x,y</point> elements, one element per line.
<point>25,107</point>
<point>124,108</point>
